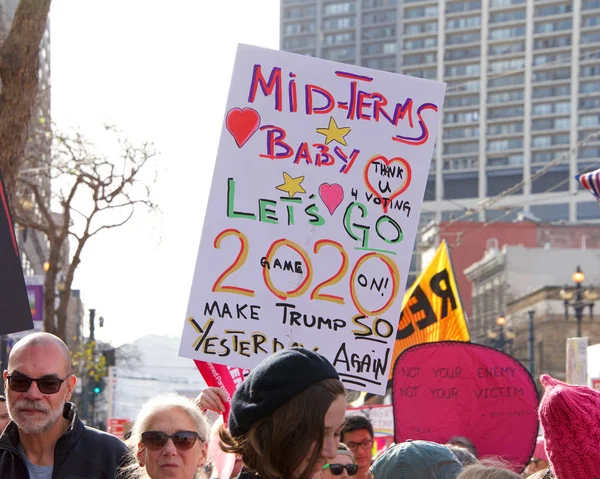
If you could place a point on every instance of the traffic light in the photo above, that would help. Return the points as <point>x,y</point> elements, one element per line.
<point>98,386</point>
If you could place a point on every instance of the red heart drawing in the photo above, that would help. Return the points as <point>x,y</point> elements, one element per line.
<point>242,123</point>
<point>332,196</point>
<point>382,171</point>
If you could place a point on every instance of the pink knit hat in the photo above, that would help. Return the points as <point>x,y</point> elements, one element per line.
<point>570,416</point>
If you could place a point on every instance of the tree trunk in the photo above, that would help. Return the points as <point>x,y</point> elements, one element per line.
<point>19,60</point>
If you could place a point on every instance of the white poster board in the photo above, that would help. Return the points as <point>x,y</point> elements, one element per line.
<point>577,368</point>
<point>312,214</point>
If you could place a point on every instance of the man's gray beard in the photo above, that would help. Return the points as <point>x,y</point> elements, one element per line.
<point>35,425</point>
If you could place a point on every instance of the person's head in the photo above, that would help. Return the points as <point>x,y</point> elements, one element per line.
<point>4,417</point>
<point>38,382</point>
<point>358,435</point>
<point>170,435</point>
<point>570,417</point>
<point>287,415</point>
<point>539,460</point>
<point>411,459</point>
<point>342,465</point>
<point>462,454</point>
<point>488,470</point>
<point>461,441</point>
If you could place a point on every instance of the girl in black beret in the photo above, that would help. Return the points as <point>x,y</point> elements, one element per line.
<point>286,417</point>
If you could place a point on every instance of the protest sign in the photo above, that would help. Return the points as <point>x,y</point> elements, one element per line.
<point>381,417</point>
<point>577,356</point>
<point>451,388</point>
<point>15,312</point>
<point>312,214</point>
<point>432,310</point>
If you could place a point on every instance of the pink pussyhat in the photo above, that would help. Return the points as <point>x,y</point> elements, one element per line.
<point>540,449</point>
<point>570,416</point>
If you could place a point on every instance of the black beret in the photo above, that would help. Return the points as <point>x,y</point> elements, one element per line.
<point>273,382</point>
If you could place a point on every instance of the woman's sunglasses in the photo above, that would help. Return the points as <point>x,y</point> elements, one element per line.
<point>183,440</point>
<point>337,469</point>
<point>46,385</point>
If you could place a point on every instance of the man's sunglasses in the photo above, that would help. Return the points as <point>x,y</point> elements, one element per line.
<point>46,385</point>
<point>337,469</point>
<point>183,440</point>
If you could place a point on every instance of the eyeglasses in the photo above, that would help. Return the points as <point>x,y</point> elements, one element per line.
<point>337,469</point>
<point>182,440</point>
<point>46,385</point>
<point>367,444</point>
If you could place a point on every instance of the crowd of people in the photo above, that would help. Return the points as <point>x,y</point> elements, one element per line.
<point>287,421</point>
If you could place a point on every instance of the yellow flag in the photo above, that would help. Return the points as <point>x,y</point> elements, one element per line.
<point>431,310</point>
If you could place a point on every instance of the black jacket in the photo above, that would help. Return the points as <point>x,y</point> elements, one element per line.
<point>80,453</point>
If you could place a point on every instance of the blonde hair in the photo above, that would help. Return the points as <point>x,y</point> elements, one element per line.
<point>344,450</point>
<point>153,407</point>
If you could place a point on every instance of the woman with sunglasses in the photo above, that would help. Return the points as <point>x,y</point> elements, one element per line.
<point>169,439</point>
<point>286,417</point>
<point>342,465</point>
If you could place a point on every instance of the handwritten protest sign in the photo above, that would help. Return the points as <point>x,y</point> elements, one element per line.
<point>15,312</point>
<point>312,214</point>
<point>432,310</point>
<point>381,417</point>
<point>450,389</point>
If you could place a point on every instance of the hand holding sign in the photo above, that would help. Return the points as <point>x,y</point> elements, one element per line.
<point>450,389</point>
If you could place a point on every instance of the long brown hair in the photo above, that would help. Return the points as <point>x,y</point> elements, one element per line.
<point>277,445</point>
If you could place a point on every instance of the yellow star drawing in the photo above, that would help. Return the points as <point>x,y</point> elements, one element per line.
<point>291,185</point>
<point>334,132</point>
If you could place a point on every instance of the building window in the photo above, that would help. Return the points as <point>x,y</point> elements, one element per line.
<point>468,163</point>
<point>589,120</point>
<point>462,70</point>
<point>590,4</point>
<point>499,17</point>
<point>552,75</point>
<point>380,32</point>
<point>345,53</point>
<point>463,86</point>
<point>588,152</point>
<point>468,22</point>
<point>384,63</point>
<point>505,3</point>
<point>430,74</point>
<point>341,23</point>
<point>338,8</point>
<point>460,38</point>
<point>507,33</point>
<point>378,3</point>
<point>417,28</point>
<point>421,43</point>
<point>589,103</point>
<point>504,65</point>
<point>591,37</point>
<point>509,160</point>
<point>421,12</point>
<point>551,124</point>
<point>547,10</point>
<point>592,87</point>
<point>299,12</point>
<point>456,133</point>
<point>462,53</point>
<point>453,7</point>
<point>458,148</point>
<point>543,156</point>
<point>555,26</point>
<point>507,96</point>
<point>505,128</point>
<point>549,140</point>
<point>551,108</point>
<point>459,101</point>
<point>421,59</point>
<point>501,145</point>
<point>387,16</point>
<point>299,27</point>
<point>550,91</point>
<point>299,42</point>
<point>462,117</point>
<point>551,212</point>
<point>550,58</point>
<point>554,42</point>
<point>506,112</point>
<point>590,21</point>
<point>504,49</point>
<point>337,38</point>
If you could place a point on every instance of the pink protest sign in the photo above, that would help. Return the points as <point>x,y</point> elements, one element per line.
<point>450,389</point>
<point>225,377</point>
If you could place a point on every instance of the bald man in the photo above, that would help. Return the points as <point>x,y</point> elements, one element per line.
<point>46,438</point>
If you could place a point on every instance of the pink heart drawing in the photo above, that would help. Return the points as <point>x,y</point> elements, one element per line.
<point>332,196</point>
<point>242,124</point>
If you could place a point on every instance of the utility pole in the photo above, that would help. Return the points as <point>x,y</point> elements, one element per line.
<point>531,313</point>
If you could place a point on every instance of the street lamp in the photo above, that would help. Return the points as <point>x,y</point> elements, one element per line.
<point>578,299</point>
<point>501,338</point>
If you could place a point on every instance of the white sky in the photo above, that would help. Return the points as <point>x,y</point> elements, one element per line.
<point>159,70</point>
